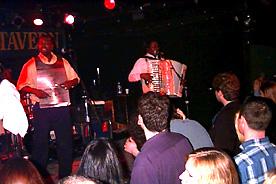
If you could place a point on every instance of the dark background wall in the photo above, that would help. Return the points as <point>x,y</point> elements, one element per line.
<point>208,36</point>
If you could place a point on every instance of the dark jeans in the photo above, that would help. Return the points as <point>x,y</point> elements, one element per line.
<point>57,119</point>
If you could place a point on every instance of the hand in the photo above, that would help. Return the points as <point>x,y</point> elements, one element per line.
<point>40,93</point>
<point>146,76</point>
<point>69,84</point>
<point>2,130</point>
<point>131,147</point>
<point>180,113</point>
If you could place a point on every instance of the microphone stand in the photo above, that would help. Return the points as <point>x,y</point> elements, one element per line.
<point>187,102</point>
<point>88,102</point>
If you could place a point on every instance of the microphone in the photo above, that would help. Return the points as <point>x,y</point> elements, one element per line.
<point>160,55</point>
<point>98,76</point>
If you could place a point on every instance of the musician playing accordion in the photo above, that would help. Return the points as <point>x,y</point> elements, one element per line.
<point>157,73</point>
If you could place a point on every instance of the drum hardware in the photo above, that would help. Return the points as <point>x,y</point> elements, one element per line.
<point>87,118</point>
<point>27,105</point>
<point>107,128</point>
<point>186,101</point>
<point>12,146</point>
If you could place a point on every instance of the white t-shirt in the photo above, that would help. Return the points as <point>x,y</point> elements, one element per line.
<point>11,110</point>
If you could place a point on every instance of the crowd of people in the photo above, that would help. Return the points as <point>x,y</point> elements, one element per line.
<point>167,147</point>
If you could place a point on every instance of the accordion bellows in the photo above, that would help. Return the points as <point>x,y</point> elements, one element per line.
<point>167,77</point>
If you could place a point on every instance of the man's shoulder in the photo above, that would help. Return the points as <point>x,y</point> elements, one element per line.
<point>254,152</point>
<point>30,61</point>
<point>227,113</point>
<point>165,140</point>
<point>174,136</point>
<point>233,106</point>
<point>140,60</point>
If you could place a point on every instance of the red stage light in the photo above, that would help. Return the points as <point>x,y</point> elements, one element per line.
<point>69,19</point>
<point>38,22</point>
<point>109,4</point>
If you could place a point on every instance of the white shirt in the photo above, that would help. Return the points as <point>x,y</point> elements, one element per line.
<point>11,110</point>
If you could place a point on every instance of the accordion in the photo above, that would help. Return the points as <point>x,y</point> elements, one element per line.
<point>167,77</point>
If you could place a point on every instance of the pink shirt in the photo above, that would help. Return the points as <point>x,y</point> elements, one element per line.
<point>139,67</point>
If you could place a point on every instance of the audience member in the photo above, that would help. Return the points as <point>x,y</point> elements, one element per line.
<point>258,155</point>
<point>257,84</point>
<point>100,161</point>
<point>135,131</point>
<point>194,131</point>
<point>270,177</point>
<point>268,90</point>
<point>135,142</point>
<point>161,157</point>
<point>19,171</point>
<point>222,132</point>
<point>209,166</point>
<point>191,129</point>
<point>77,180</point>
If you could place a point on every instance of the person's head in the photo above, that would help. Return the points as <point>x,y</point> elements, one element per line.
<point>268,90</point>
<point>152,47</point>
<point>45,44</point>
<point>135,131</point>
<point>226,84</point>
<point>8,74</point>
<point>75,179</point>
<point>100,161</point>
<point>2,70</point>
<point>254,115</point>
<point>270,177</point>
<point>154,110</point>
<point>20,170</point>
<point>209,166</point>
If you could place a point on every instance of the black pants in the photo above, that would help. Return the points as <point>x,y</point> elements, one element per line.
<point>57,119</point>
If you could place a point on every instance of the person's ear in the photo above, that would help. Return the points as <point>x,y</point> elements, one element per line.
<point>242,124</point>
<point>219,93</point>
<point>140,120</point>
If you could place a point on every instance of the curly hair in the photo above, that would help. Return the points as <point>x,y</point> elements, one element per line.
<point>270,177</point>
<point>228,83</point>
<point>154,109</point>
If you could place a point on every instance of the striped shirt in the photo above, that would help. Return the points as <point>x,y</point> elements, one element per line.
<point>257,157</point>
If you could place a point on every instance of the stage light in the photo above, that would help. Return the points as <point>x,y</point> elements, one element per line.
<point>69,19</point>
<point>109,4</point>
<point>38,21</point>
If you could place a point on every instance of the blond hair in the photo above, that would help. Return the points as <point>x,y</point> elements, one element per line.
<point>214,166</point>
<point>270,177</point>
